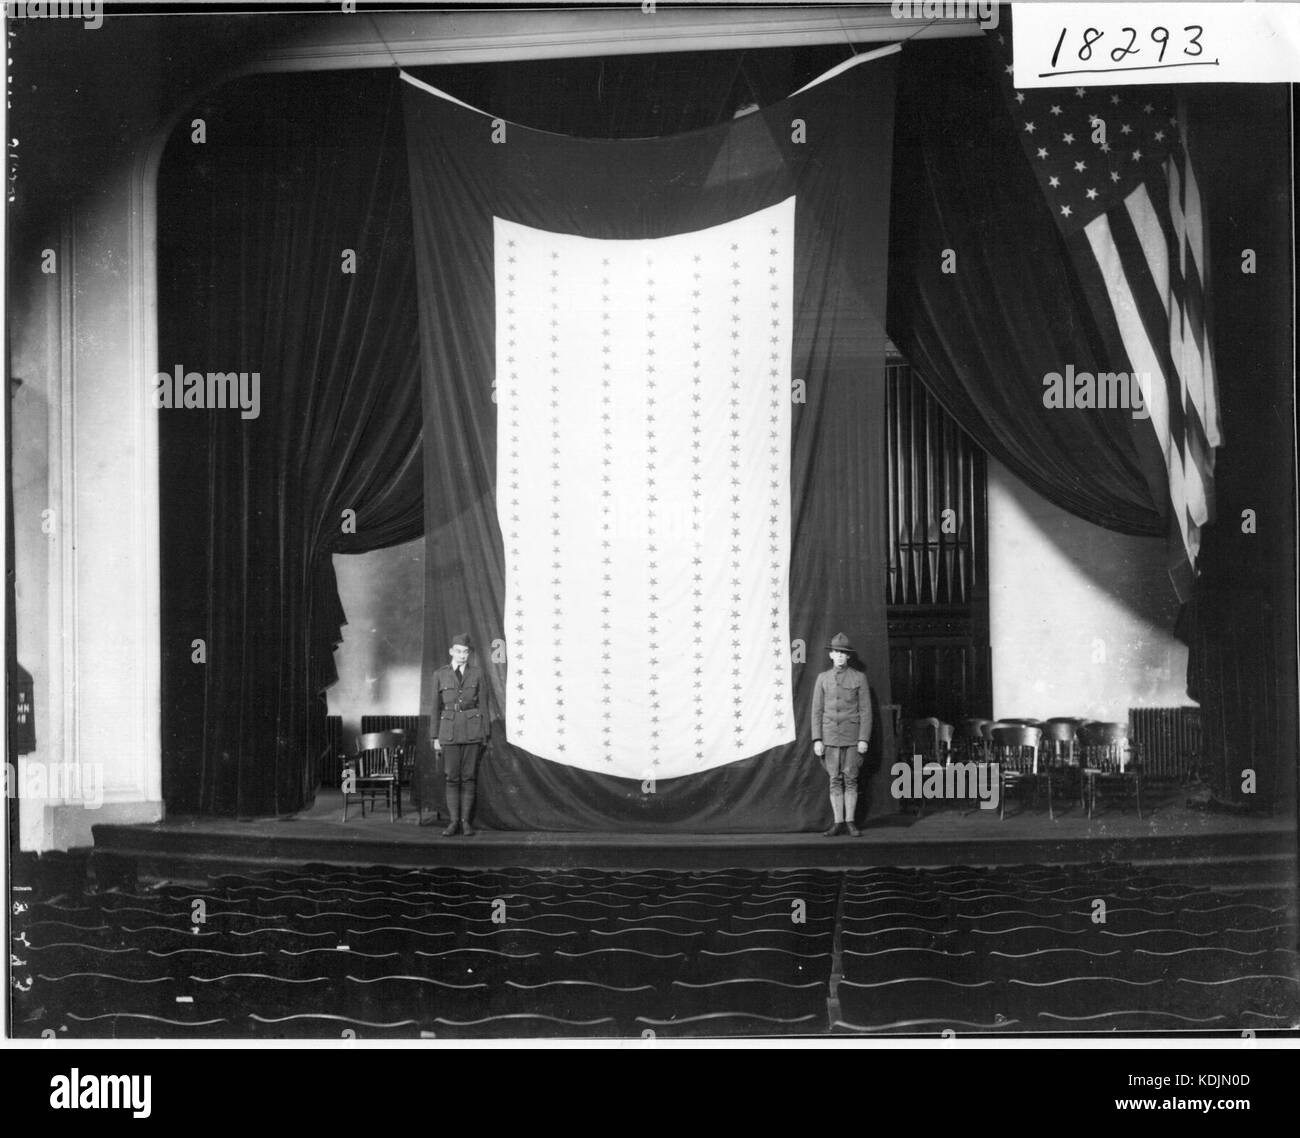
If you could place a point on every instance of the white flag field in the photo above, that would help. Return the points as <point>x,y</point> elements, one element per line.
<point>643,395</point>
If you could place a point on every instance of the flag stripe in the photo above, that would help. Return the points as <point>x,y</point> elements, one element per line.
<point>1145,269</point>
<point>1146,263</point>
<point>1196,242</point>
<point>1142,356</point>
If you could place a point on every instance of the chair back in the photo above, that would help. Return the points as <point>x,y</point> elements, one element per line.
<point>1105,745</point>
<point>379,753</point>
<point>970,740</point>
<point>1059,737</point>
<point>1016,746</point>
<point>1104,734</point>
<point>931,738</point>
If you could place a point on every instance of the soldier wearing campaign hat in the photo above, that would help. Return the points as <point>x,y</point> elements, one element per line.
<point>841,726</point>
<point>462,731</point>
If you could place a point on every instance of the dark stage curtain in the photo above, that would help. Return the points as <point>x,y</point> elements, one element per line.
<point>1241,623</point>
<point>1010,310</point>
<point>643,190</point>
<point>255,225</point>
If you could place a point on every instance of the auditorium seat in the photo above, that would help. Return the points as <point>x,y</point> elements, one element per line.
<point>896,963</point>
<point>878,939</point>
<point>420,997</point>
<point>524,1026</point>
<point>714,1024</point>
<point>647,938</point>
<point>235,993</point>
<point>79,991</point>
<point>616,965</point>
<point>574,999</point>
<point>1081,996</point>
<point>1047,964</point>
<point>474,965</point>
<point>177,1023</point>
<point>746,996</point>
<point>760,964</point>
<point>915,997</point>
<point>394,1025</point>
<point>1211,964</point>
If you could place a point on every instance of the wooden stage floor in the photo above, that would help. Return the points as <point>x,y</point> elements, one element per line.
<point>1172,839</point>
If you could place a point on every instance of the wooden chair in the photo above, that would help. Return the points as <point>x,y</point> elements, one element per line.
<point>416,728</point>
<point>930,738</point>
<point>1016,751</point>
<point>1060,758</point>
<point>970,741</point>
<point>377,765</point>
<point>1108,756</point>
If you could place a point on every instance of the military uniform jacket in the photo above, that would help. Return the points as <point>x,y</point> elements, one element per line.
<point>461,716</point>
<point>841,708</point>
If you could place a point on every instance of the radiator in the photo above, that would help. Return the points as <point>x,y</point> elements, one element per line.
<point>1169,739</point>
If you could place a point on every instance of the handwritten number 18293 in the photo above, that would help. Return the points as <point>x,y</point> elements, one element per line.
<point>1159,37</point>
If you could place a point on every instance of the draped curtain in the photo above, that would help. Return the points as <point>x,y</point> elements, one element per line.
<point>1241,624</point>
<point>285,250</point>
<point>629,190</point>
<point>983,302</point>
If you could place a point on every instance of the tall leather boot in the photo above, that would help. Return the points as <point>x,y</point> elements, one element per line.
<point>453,810</point>
<point>851,809</point>
<point>467,794</point>
<point>837,811</point>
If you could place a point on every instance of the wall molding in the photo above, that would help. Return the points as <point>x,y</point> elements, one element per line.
<point>393,39</point>
<point>62,425</point>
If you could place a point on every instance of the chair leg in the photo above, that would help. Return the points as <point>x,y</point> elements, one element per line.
<point>345,806</point>
<point>1137,785</point>
<point>1051,813</point>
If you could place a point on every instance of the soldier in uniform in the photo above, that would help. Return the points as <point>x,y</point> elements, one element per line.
<point>462,731</point>
<point>841,726</point>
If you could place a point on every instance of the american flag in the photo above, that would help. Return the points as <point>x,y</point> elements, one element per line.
<point>1115,173</point>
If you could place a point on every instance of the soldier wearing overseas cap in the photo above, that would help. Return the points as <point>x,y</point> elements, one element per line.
<point>462,731</point>
<point>841,726</point>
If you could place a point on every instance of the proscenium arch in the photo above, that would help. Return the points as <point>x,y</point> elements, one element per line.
<point>395,40</point>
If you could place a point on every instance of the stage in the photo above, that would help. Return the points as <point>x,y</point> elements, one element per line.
<point>1173,840</point>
